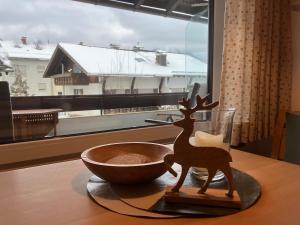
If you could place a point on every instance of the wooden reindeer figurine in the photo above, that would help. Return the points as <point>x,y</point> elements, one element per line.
<point>187,156</point>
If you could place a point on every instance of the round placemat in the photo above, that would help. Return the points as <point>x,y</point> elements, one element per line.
<point>150,196</point>
<point>101,192</point>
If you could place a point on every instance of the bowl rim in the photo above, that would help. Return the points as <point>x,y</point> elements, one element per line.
<point>86,159</point>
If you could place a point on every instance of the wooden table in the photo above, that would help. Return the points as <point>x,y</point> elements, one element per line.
<point>34,123</point>
<point>56,194</point>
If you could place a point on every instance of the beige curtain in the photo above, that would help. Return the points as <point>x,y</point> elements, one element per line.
<point>257,65</point>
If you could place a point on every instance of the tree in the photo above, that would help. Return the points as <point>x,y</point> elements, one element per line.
<point>19,87</point>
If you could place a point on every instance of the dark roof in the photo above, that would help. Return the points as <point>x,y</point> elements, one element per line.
<point>179,9</point>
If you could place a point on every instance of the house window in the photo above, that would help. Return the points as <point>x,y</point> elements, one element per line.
<point>110,92</point>
<point>42,86</point>
<point>78,91</point>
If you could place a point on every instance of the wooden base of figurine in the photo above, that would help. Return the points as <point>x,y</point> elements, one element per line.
<point>212,197</point>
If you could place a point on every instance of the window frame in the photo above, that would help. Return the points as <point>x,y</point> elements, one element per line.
<point>126,133</point>
<point>211,40</point>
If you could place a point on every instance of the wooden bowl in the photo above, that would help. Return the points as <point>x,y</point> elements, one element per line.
<point>126,163</point>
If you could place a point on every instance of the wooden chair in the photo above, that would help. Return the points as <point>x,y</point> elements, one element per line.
<point>286,139</point>
<point>6,120</point>
<point>278,137</point>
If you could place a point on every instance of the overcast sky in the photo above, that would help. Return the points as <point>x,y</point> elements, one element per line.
<point>70,21</point>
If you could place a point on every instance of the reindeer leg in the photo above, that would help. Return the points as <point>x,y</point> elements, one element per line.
<point>170,169</point>
<point>181,179</point>
<point>211,174</point>
<point>169,161</point>
<point>228,173</point>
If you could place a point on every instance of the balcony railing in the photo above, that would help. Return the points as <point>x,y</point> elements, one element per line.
<point>30,115</point>
<point>96,102</point>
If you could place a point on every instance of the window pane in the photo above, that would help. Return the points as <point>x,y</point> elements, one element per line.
<point>75,67</point>
<point>196,61</point>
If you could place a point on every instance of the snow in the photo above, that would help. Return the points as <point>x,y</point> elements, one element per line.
<point>102,61</point>
<point>116,62</point>
<point>4,60</point>
<point>17,50</point>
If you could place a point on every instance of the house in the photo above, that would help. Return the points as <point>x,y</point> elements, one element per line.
<point>28,62</point>
<point>80,69</point>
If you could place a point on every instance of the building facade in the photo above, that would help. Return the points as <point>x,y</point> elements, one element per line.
<point>28,63</point>
<point>80,69</point>
<point>69,69</point>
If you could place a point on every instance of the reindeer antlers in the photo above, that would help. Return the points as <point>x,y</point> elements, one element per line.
<point>201,105</point>
<point>184,103</point>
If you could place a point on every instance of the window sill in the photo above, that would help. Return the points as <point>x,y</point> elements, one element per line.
<point>41,149</point>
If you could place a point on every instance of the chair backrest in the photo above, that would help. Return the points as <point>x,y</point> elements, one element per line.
<point>292,138</point>
<point>286,138</point>
<point>6,120</point>
<point>278,136</point>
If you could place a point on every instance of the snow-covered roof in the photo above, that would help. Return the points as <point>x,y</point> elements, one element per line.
<point>29,51</point>
<point>101,61</point>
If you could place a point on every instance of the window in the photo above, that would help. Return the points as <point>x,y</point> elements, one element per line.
<point>42,86</point>
<point>130,70</point>
<point>110,92</point>
<point>78,91</point>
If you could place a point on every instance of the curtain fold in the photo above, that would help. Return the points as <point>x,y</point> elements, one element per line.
<point>257,65</point>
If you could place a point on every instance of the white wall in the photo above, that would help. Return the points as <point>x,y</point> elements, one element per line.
<point>296,55</point>
<point>147,83</point>
<point>91,89</point>
<point>118,83</point>
<point>143,84</point>
<point>177,82</point>
<point>31,71</point>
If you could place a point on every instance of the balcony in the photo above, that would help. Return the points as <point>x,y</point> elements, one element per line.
<point>95,113</point>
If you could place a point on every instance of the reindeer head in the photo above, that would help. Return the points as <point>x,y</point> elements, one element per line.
<point>201,104</point>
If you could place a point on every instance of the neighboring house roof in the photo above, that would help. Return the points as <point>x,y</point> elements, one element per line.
<point>101,61</point>
<point>29,51</point>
